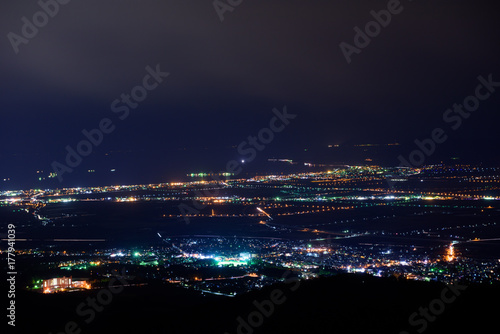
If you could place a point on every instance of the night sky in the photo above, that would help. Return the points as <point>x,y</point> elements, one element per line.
<point>226,77</point>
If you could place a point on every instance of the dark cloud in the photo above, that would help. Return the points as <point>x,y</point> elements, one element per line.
<point>227,76</point>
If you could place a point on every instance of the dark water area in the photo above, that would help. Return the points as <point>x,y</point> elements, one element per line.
<point>173,165</point>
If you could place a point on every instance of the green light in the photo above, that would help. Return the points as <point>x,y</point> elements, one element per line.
<point>153,263</point>
<point>233,263</point>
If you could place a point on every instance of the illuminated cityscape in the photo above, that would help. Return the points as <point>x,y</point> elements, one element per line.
<point>250,167</point>
<point>431,224</point>
<point>348,219</point>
